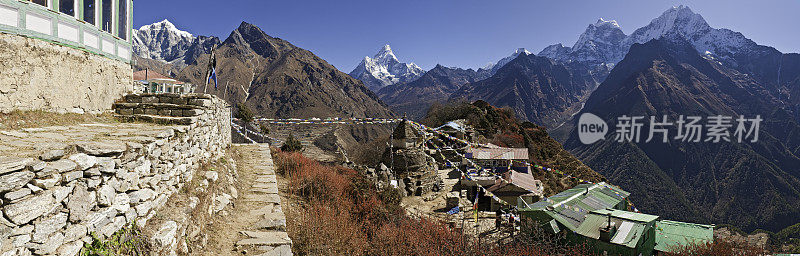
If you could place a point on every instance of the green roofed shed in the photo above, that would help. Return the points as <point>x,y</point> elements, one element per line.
<point>672,234</point>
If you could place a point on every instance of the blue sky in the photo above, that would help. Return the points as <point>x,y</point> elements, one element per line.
<point>463,33</point>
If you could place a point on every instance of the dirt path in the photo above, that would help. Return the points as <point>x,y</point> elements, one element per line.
<point>256,224</point>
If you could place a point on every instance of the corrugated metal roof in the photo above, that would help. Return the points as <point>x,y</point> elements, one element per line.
<point>498,153</point>
<point>628,232</point>
<point>523,181</point>
<point>571,206</point>
<point>670,234</point>
<point>626,215</point>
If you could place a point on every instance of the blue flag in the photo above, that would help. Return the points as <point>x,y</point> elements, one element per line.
<point>455,210</point>
<point>213,76</point>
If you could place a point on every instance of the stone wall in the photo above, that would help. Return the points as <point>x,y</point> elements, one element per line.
<point>51,203</point>
<point>39,75</point>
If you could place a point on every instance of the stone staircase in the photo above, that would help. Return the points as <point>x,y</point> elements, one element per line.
<point>267,235</point>
<point>167,108</point>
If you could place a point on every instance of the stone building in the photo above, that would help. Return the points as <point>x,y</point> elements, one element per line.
<point>82,52</point>
<point>410,162</point>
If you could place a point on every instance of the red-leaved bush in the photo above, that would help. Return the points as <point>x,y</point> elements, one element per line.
<point>337,211</point>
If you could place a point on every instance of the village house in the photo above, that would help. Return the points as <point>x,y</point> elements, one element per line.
<point>154,82</point>
<point>499,159</point>
<point>598,215</point>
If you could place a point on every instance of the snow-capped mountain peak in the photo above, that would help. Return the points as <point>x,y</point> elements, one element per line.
<point>161,41</point>
<point>602,22</point>
<point>600,43</point>
<point>604,42</point>
<point>168,26</point>
<point>683,21</point>
<point>384,69</point>
<point>502,62</point>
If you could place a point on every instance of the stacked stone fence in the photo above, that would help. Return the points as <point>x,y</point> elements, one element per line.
<point>51,203</point>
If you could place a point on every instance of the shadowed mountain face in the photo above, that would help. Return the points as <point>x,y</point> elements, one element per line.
<point>537,88</point>
<point>278,79</point>
<point>435,86</point>
<point>750,185</point>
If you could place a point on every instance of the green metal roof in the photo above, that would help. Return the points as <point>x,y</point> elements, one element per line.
<point>670,234</point>
<point>599,196</point>
<point>626,215</point>
<point>630,226</point>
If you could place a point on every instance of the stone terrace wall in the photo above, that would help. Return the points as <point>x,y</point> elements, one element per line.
<point>38,75</point>
<point>51,203</point>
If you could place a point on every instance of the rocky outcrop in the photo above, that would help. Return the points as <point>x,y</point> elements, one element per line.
<point>53,201</point>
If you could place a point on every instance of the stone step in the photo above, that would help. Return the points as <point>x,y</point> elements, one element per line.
<point>267,179</point>
<point>263,198</point>
<point>273,223</point>
<point>159,119</point>
<point>256,238</point>
<point>283,250</point>
<point>271,190</point>
<point>263,210</point>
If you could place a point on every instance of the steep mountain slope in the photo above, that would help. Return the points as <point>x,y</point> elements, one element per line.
<point>499,126</point>
<point>600,44</point>
<point>502,62</point>
<point>278,79</point>
<point>164,48</point>
<point>537,88</point>
<point>384,69</point>
<point>435,86</point>
<point>749,185</point>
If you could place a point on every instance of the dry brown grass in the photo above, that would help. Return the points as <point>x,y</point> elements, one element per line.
<point>337,211</point>
<point>719,248</point>
<point>32,119</point>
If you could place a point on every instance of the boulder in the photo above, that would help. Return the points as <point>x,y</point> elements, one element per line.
<point>44,228</point>
<point>75,232</point>
<point>105,148</point>
<point>61,193</point>
<point>70,249</point>
<point>17,194</point>
<point>57,167</point>
<point>52,155</point>
<point>73,175</point>
<point>30,208</point>
<point>121,203</point>
<point>13,164</point>
<point>49,182</point>
<point>165,237</point>
<point>15,180</point>
<point>141,195</point>
<point>51,245</point>
<point>105,195</point>
<point>80,203</point>
<point>83,161</point>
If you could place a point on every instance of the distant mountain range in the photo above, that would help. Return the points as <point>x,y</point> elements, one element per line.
<point>676,65</point>
<point>435,86</point>
<point>272,76</point>
<point>384,69</point>
<point>162,43</point>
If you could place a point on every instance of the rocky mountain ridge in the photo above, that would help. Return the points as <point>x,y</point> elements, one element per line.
<point>384,69</point>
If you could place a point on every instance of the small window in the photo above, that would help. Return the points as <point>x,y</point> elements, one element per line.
<point>67,7</point>
<point>89,7</point>
<point>108,13</point>
<point>123,20</point>
<point>40,2</point>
